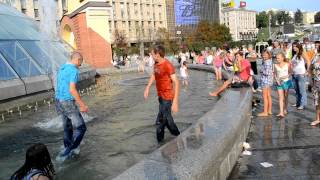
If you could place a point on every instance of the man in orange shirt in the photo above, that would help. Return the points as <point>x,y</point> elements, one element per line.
<point>167,86</point>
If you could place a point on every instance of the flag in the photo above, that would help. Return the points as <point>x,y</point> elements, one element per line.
<point>243,4</point>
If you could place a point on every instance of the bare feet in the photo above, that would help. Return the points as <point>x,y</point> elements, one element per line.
<point>263,114</point>
<point>280,115</point>
<point>314,123</point>
<point>270,113</point>
<point>213,94</point>
<point>285,112</point>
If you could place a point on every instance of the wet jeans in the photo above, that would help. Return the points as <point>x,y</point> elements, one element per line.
<point>72,121</point>
<point>165,119</point>
<point>299,82</point>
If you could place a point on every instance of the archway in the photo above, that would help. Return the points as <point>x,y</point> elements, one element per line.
<point>68,36</point>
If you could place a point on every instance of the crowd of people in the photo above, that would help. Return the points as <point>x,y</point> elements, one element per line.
<point>284,66</point>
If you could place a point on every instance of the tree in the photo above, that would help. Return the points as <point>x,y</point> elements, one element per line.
<point>169,44</point>
<point>209,34</point>
<point>317,17</point>
<point>120,43</point>
<point>262,19</point>
<point>273,18</point>
<point>283,17</point>
<point>298,17</point>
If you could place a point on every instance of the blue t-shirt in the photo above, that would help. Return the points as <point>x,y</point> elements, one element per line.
<point>68,73</point>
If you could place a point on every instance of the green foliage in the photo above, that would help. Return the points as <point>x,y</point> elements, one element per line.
<point>317,17</point>
<point>273,19</point>
<point>283,17</point>
<point>208,35</point>
<point>120,45</point>
<point>263,34</point>
<point>169,44</point>
<point>298,17</point>
<point>134,50</point>
<point>262,19</point>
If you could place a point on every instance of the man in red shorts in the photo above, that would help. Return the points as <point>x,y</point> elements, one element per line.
<point>167,86</point>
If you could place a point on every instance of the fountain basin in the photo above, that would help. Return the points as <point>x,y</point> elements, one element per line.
<point>121,134</point>
<point>206,150</point>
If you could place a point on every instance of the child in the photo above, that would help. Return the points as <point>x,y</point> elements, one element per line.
<point>282,72</point>
<point>266,81</point>
<point>218,61</point>
<point>184,74</point>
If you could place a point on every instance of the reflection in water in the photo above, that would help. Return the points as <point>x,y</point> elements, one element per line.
<point>267,133</point>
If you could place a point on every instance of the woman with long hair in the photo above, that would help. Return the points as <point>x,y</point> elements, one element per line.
<point>282,71</point>
<point>299,77</point>
<point>37,165</point>
<point>266,81</point>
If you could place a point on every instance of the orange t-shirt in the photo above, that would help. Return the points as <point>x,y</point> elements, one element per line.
<point>162,73</point>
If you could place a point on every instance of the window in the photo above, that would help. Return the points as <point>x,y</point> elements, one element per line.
<point>135,9</point>
<point>128,10</point>
<point>17,59</point>
<point>36,13</point>
<point>114,9</point>
<point>5,72</point>
<point>122,9</point>
<point>129,24</point>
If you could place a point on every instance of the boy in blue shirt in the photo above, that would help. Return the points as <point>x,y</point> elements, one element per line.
<point>67,97</point>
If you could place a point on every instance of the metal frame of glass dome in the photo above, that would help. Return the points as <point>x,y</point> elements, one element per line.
<point>27,59</point>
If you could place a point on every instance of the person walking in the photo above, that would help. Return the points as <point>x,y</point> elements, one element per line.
<point>282,71</point>
<point>167,86</point>
<point>299,77</point>
<point>67,97</point>
<point>266,82</point>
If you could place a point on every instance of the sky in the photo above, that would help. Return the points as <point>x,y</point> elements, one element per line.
<point>260,5</point>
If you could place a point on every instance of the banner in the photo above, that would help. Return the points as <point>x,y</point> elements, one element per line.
<point>243,4</point>
<point>187,12</point>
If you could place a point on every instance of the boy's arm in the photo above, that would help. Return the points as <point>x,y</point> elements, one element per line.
<point>175,103</point>
<point>146,91</point>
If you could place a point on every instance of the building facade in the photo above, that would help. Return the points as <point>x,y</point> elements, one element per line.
<point>171,17</point>
<point>31,7</point>
<point>241,22</point>
<point>139,20</point>
<point>308,17</point>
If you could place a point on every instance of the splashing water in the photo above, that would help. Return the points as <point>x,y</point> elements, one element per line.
<point>48,20</point>
<point>55,124</point>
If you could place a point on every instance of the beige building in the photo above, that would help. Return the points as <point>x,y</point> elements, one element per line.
<point>171,17</point>
<point>139,20</point>
<point>241,22</point>
<point>31,7</point>
<point>308,17</point>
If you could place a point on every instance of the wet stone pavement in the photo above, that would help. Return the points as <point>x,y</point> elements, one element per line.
<point>290,144</point>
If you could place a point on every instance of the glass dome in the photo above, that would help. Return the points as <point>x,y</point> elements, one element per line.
<point>24,50</point>
<point>28,57</point>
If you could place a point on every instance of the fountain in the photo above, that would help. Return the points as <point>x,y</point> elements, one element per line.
<point>122,133</point>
